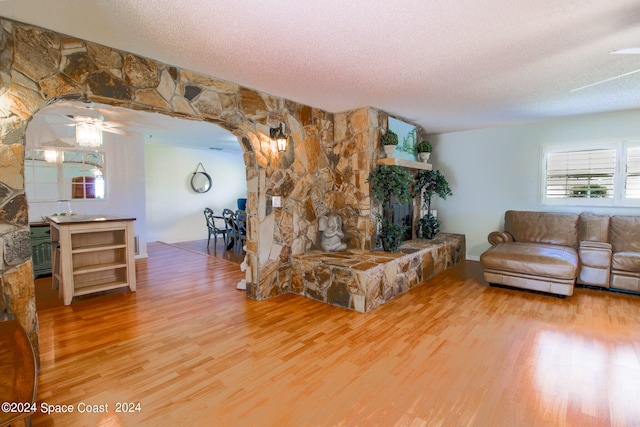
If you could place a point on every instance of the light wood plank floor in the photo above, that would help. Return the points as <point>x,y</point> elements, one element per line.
<point>217,250</point>
<point>193,351</point>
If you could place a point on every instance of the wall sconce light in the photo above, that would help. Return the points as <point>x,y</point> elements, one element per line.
<point>88,134</point>
<point>278,135</point>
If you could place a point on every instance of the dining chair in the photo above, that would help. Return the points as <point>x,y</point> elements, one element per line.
<point>214,229</point>
<point>229,221</point>
<point>241,227</point>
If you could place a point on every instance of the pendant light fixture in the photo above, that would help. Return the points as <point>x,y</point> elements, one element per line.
<point>88,133</point>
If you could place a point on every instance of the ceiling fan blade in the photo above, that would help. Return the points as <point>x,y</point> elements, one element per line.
<point>116,131</point>
<point>69,141</point>
<point>114,124</point>
<point>628,51</point>
<point>605,80</point>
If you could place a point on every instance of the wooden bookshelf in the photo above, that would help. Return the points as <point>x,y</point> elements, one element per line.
<point>96,254</point>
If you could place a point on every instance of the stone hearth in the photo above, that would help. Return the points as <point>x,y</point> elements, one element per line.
<point>363,280</point>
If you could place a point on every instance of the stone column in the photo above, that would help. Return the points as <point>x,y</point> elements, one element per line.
<point>17,298</point>
<point>357,134</point>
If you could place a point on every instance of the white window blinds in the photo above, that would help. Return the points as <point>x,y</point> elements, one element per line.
<point>632,184</point>
<point>582,174</point>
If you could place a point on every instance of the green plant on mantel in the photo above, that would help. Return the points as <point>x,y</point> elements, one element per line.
<point>390,185</point>
<point>424,147</point>
<point>430,183</point>
<point>389,138</point>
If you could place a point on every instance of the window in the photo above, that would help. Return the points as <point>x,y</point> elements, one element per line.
<point>603,174</point>
<point>632,183</point>
<point>52,175</point>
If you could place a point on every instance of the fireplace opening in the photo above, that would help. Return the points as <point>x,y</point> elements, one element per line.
<point>403,215</point>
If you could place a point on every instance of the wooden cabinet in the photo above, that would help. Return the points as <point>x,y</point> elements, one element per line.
<point>40,249</point>
<point>96,254</point>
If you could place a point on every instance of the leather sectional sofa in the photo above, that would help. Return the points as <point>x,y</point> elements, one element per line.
<point>551,252</point>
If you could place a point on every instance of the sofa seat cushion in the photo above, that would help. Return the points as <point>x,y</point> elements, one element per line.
<point>626,261</point>
<point>535,259</point>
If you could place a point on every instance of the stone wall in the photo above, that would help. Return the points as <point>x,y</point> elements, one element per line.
<point>328,174</point>
<point>324,168</point>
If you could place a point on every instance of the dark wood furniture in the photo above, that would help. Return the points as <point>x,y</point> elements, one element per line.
<point>18,379</point>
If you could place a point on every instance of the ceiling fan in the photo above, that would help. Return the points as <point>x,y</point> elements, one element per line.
<point>627,51</point>
<point>99,122</point>
<point>74,111</point>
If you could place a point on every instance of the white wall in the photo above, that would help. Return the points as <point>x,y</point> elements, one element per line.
<point>174,210</point>
<point>496,169</point>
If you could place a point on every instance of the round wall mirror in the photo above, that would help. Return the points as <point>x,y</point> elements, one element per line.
<point>201,182</point>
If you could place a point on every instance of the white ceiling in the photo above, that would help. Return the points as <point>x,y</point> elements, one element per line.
<point>446,65</point>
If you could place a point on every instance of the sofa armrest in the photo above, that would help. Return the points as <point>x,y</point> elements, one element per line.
<point>595,263</point>
<point>587,244</point>
<point>595,255</point>
<point>496,237</point>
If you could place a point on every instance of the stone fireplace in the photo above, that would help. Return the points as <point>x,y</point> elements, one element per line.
<point>362,280</point>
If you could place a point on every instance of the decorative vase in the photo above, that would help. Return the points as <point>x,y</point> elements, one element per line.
<point>389,150</point>
<point>424,157</point>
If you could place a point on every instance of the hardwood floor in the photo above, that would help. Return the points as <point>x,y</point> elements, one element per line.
<point>46,297</point>
<point>217,250</point>
<point>192,350</point>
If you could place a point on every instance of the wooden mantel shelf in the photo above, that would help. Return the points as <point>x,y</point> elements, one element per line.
<point>410,164</point>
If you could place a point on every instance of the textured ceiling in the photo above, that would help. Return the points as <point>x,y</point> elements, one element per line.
<point>446,65</point>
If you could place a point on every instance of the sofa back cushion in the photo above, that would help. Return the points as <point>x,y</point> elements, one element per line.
<point>593,228</point>
<point>543,227</point>
<point>624,233</point>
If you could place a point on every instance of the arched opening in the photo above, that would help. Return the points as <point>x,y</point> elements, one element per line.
<point>146,160</point>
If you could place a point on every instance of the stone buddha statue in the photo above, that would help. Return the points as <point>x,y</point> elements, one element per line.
<point>331,228</point>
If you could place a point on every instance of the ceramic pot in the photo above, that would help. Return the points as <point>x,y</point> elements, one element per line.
<point>389,150</point>
<point>424,157</point>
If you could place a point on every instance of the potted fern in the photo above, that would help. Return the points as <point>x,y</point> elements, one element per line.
<point>389,185</point>
<point>389,142</point>
<point>424,149</point>
<point>430,183</point>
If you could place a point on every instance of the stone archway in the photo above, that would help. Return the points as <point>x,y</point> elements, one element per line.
<point>324,167</point>
<point>46,67</point>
